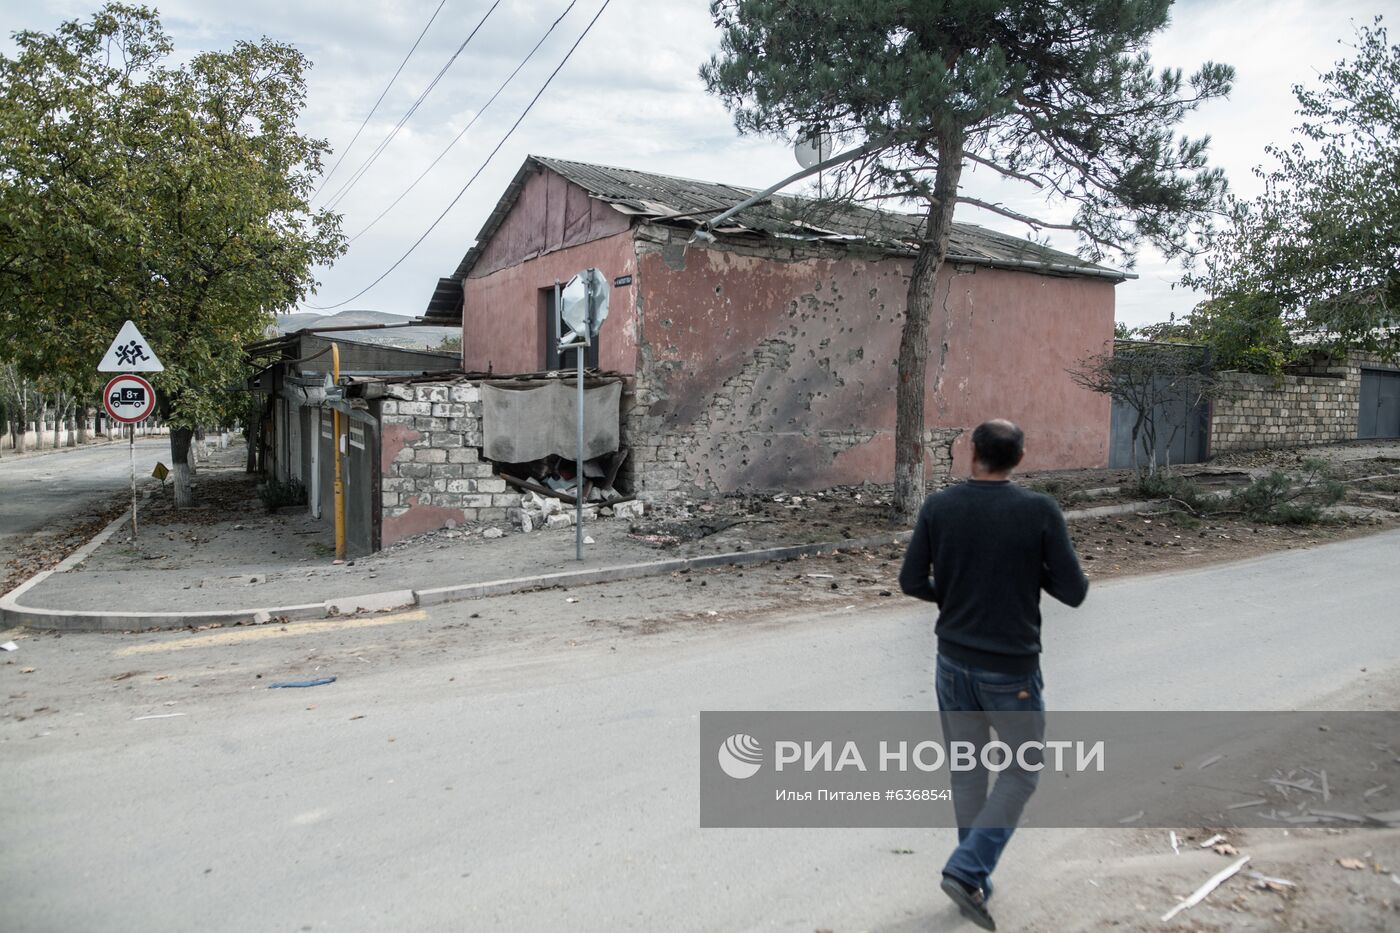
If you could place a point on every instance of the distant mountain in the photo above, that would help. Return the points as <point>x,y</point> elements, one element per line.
<point>416,338</point>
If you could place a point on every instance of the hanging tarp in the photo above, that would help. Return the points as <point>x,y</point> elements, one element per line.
<point>525,421</point>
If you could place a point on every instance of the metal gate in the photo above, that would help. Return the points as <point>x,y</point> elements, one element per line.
<point>359,473</point>
<point>1183,431</point>
<point>1380,404</point>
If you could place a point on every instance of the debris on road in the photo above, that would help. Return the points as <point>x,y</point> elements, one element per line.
<point>1204,890</point>
<point>1218,837</point>
<point>1338,815</point>
<point>1255,802</point>
<point>1176,847</point>
<point>158,716</point>
<point>1351,864</point>
<point>9,646</point>
<point>1271,884</point>
<point>303,683</point>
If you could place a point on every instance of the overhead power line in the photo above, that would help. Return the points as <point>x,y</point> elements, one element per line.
<point>384,144</point>
<point>484,107</point>
<point>477,174</point>
<point>346,151</point>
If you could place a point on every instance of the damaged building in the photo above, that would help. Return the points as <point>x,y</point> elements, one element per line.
<point>425,445</point>
<point>763,356</point>
<point>759,357</point>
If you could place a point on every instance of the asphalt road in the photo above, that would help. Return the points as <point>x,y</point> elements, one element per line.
<point>455,780</point>
<point>39,489</point>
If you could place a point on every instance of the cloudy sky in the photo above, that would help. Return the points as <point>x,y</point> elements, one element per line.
<point>630,96</point>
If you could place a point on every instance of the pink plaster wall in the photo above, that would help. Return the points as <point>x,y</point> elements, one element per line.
<point>549,214</point>
<point>785,371</point>
<point>782,373</point>
<point>503,319</point>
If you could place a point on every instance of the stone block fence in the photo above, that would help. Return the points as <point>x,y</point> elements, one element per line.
<point>431,471</point>
<point>1291,410</point>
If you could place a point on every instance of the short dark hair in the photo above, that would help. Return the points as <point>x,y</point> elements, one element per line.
<point>998,445</point>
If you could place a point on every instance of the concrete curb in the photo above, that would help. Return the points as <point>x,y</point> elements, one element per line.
<point>72,620</point>
<point>32,454</point>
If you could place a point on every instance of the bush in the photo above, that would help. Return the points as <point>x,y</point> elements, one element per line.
<point>1276,499</point>
<point>1164,484</point>
<point>1059,491</point>
<point>275,494</point>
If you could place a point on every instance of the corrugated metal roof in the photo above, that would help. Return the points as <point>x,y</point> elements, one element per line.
<point>666,199</point>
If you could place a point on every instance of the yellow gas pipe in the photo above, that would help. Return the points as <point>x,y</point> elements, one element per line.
<point>339,487</point>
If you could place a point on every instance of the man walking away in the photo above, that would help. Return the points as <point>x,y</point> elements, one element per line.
<point>989,546</point>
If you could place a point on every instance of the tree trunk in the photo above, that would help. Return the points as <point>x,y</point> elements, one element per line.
<point>910,389</point>
<point>84,416</point>
<point>180,458</point>
<point>57,419</point>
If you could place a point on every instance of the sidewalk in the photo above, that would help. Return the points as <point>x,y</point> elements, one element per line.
<point>8,453</point>
<point>230,561</point>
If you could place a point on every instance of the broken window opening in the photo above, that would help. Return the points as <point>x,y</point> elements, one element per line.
<point>553,359</point>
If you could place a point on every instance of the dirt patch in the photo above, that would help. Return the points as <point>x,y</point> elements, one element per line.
<point>61,538</point>
<point>1132,544</point>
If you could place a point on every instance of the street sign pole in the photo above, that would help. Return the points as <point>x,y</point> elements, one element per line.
<point>582,304</point>
<point>129,399</point>
<point>130,354</point>
<point>578,477</point>
<point>132,447</point>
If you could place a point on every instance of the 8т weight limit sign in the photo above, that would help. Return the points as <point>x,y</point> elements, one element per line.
<point>129,399</point>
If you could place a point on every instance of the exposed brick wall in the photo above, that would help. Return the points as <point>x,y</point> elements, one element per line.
<point>432,471</point>
<point>1289,410</point>
<point>729,431</point>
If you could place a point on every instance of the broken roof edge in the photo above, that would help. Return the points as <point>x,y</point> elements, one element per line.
<point>849,245</point>
<point>445,304</point>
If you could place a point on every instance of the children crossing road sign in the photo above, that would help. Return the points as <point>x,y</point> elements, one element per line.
<point>130,353</point>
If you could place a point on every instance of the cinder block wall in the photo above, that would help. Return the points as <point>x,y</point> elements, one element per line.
<point>1288,411</point>
<point>431,468</point>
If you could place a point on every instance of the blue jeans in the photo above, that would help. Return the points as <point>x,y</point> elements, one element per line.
<point>987,820</point>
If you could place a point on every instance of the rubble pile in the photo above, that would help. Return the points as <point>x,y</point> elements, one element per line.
<point>537,512</point>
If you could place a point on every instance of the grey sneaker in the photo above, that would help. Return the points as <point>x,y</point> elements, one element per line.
<point>972,903</point>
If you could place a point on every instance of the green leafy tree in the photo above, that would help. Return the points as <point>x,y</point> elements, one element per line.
<point>1313,263</point>
<point>1057,94</point>
<point>173,195</point>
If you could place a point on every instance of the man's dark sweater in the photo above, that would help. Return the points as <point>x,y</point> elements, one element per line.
<point>991,548</point>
